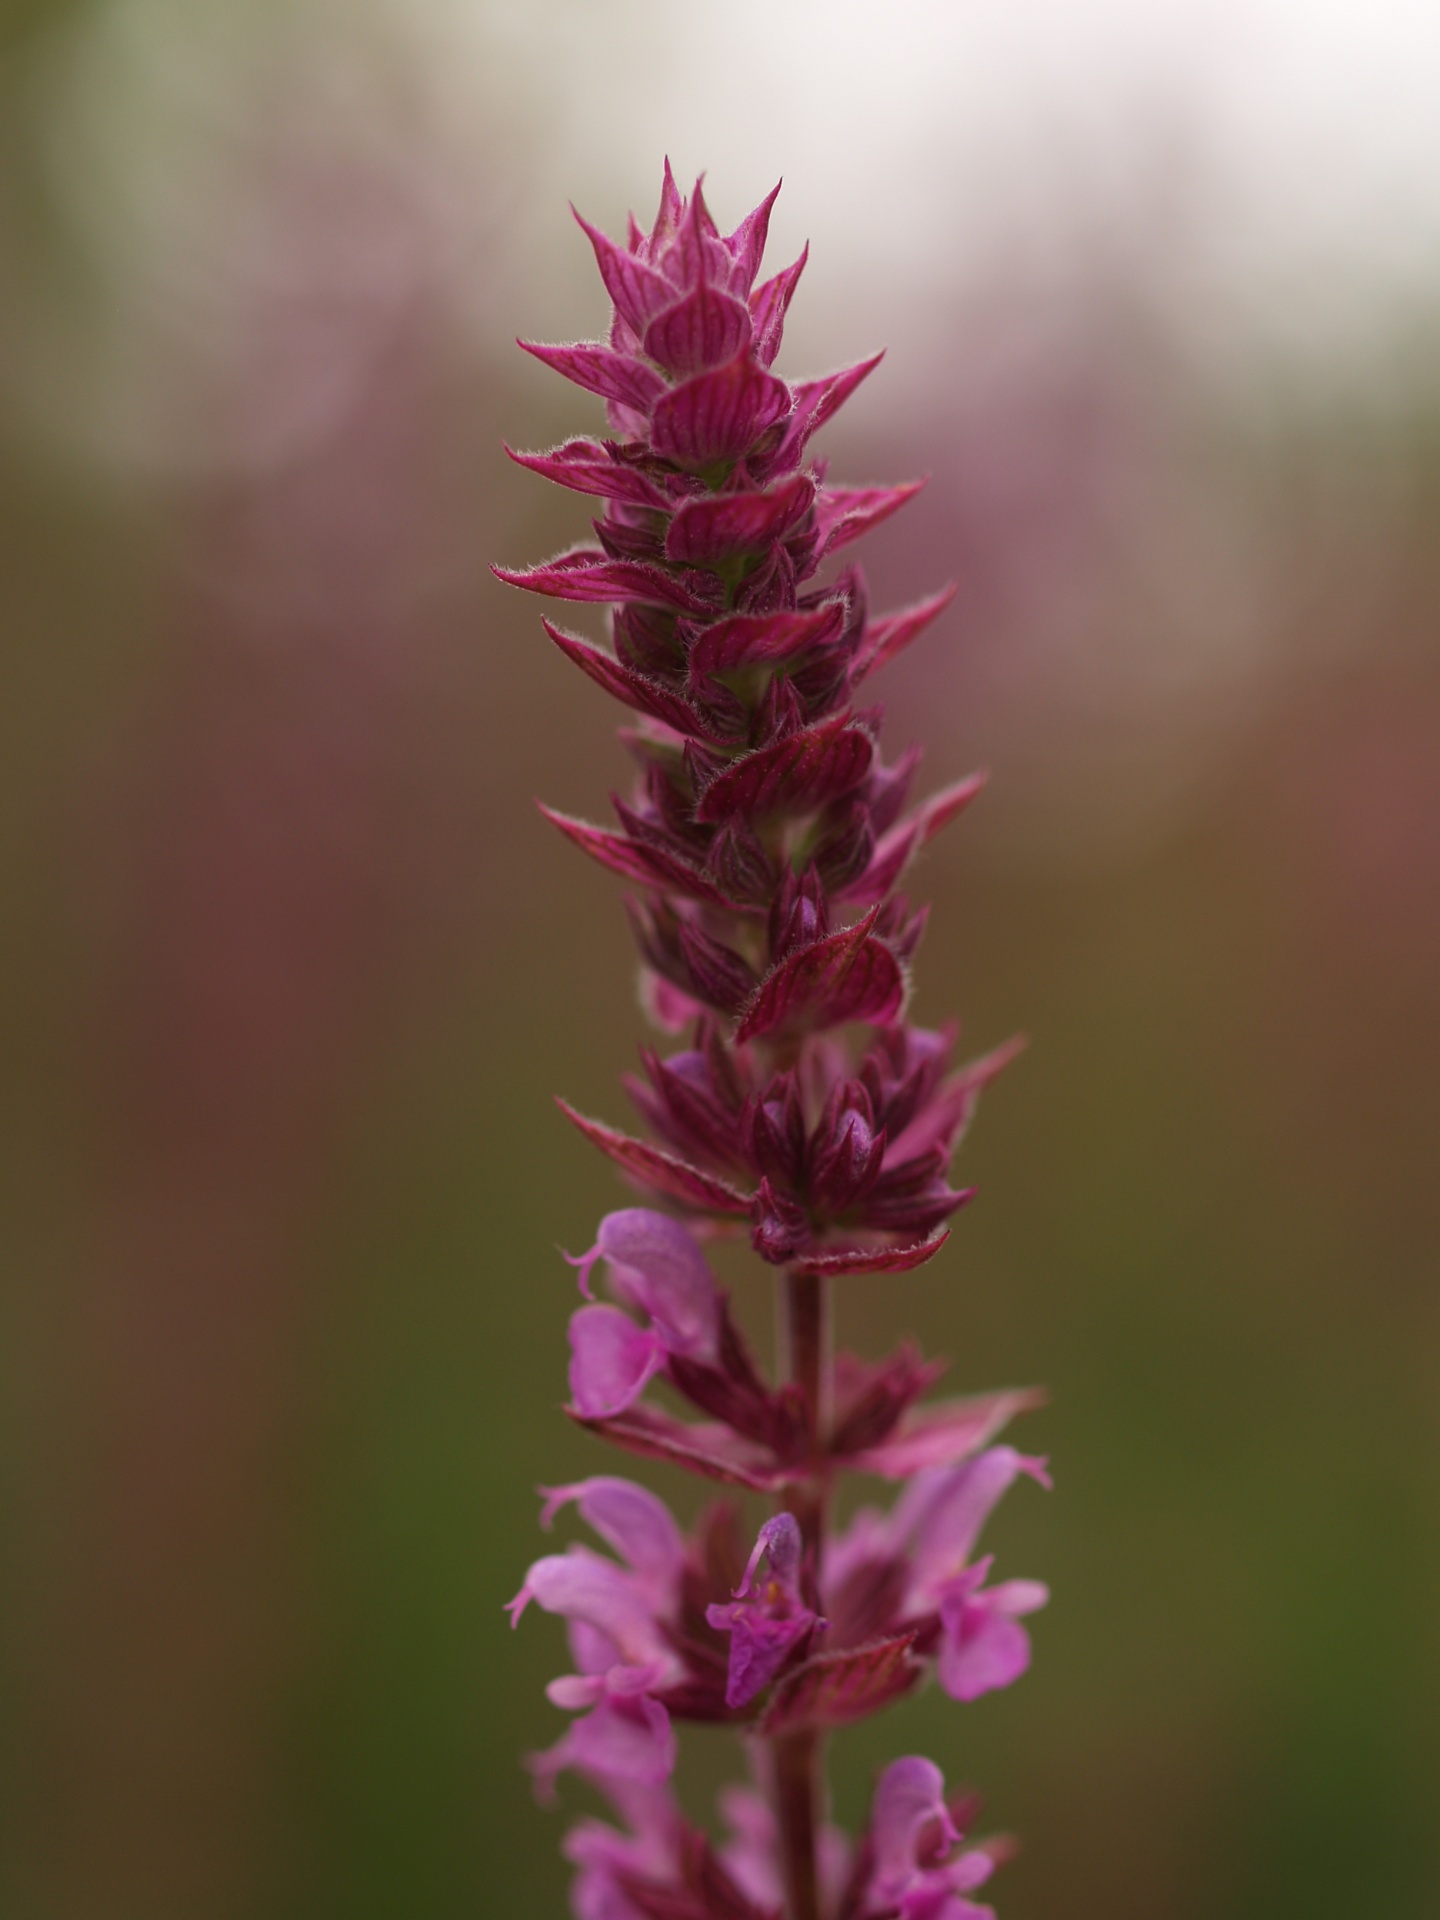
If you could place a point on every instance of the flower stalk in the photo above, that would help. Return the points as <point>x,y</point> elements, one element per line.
<point>764,842</point>
<point>798,1762</point>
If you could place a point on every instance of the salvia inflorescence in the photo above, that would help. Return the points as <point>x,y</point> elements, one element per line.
<point>764,841</point>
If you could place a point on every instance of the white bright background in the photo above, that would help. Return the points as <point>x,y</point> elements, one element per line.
<point>997,193</point>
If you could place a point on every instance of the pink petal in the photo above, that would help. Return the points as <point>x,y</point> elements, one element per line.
<point>778,1543</point>
<point>582,1585</point>
<point>945,1511</point>
<point>629,1740</point>
<point>664,1005</point>
<point>629,1518</point>
<point>759,1646</point>
<point>656,1265</point>
<point>909,1795</point>
<point>752,1856</point>
<point>1015,1597</point>
<point>575,1692</point>
<point>982,1650</point>
<point>971,1870</point>
<point>611,1362</point>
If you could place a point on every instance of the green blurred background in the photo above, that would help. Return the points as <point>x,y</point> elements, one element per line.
<point>292,967</point>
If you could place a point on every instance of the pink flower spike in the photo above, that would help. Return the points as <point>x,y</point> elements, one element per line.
<point>763,837</point>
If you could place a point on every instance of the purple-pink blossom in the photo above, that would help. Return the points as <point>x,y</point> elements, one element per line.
<point>768,1618</point>
<point>656,1268</point>
<point>916,1872</point>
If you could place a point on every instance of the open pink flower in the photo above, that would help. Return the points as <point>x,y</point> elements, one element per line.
<point>618,1618</point>
<point>916,1873</point>
<point>983,1646</point>
<point>609,1859</point>
<point>768,1619</point>
<point>656,1268</point>
<point>913,1568</point>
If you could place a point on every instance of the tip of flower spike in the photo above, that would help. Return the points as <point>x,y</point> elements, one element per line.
<point>748,240</point>
<point>670,201</point>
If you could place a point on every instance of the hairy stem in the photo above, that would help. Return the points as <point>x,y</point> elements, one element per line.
<point>799,1757</point>
<point>797,1795</point>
